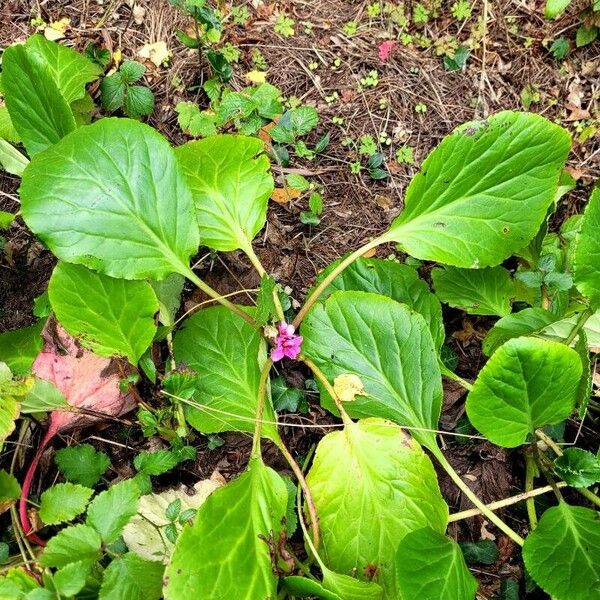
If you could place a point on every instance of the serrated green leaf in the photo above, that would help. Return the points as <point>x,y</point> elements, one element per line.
<point>502,172</point>
<point>38,111</point>
<point>372,484</point>
<point>476,291</point>
<point>585,35</point>
<point>195,122</point>
<point>388,347</point>
<point>111,510</point>
<point>139,101</point>
<point>562,553</point>
<point>225,548</point>
<point>155,463</point>
<point>43,397</point>
<point>231,185</point>
<point>112,92</point>
<point>482,552</point>
<point>587,251</point>
<point>82,464</point>
<point>298,182</point>
<point>285,398</point>
<point>131,71</point>
<point>392,279</point>
<point>525,322</point>
<point>130,577</point>
<point>70,70</point>
<point>304,119</point>
<point>431,565</point>
<point>11,160</point>
<point>122,208</point>
<point>578,467</point>
<point>75,543</point>
<point>227,354</point>
<point>109,316</point>
<point>63,502</point>
<point>71,579</point>
<point>528,383</point>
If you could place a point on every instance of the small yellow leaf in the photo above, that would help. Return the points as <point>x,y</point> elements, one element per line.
<point>347,386</point>
<point>157,53</point>
<point>256,76</point>
<point>284,195</point>
<point>56,30</point>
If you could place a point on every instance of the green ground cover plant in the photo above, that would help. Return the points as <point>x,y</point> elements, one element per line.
<point>124,213</point>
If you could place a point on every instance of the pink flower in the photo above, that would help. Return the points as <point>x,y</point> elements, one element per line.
<point>385,50</point>
<point>287,343</point>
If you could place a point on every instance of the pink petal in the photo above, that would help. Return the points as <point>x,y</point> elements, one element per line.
<point>277,353</point>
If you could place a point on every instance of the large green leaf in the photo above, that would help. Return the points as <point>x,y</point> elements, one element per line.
<point>528,383</point>
<point>476,291</point>
<point>372,484</point>
<point>111,196</point>
<point>70,70</point>
<point>388,347</point>
<point>109,316</point>
<point>389,278</point>
<point>333,587</point>
<point>231,184</point>
<point>19,348</point>
<point>430,566</point>
<point>482,194</point>
<point>225,553</point>
<point>587,251</point>
<point>38,112</point>
<point>227,354</point>
<point>130,577</point>
<point>525,322</point>
<point>562,553</point>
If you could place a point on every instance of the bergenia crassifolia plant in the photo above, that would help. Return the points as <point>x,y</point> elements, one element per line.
<point>124,213</point>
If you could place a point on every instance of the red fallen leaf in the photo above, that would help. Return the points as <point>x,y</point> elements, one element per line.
<point>87,381</point>
<point>385,50</point>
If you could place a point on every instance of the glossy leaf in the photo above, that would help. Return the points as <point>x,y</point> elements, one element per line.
<point>372,484</point>
<point>482,194</point>
<point>388,347</point>
<point>11,160</point>
<point>562,553</point>
<point>560,330</point>
<point>525,322</point>
<point>578,467</point>
<point>38,112</point>
<point>19,348</point>
<point>78,542</point>
<point>430,566</point>
<point>70,579</point>
<point>63,502</point>
<point>227,355</point>
<point>224,553</point>
<point>130,577</point>
<point>392,279</point>
<point>476,291</point>
<point>109,316</point>
<point>231,185</point>
<point>122,208</point>
<point>528,383</point>
<point>111,510</point>
<point>70,70</point>
<point>587,251</point>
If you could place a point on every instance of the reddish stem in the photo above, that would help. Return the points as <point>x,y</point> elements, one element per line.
<point>23,516</point>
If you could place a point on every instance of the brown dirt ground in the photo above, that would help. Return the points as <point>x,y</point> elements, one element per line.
<point>512,55</point>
